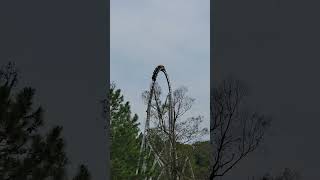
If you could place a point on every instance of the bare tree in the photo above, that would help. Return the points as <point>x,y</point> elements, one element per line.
<point>185,130</point>
<point>234,130</point>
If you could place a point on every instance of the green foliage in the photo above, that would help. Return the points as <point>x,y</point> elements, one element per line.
<point>126,139</point>
<point>125,144</point>
<point>199,154</point>
<point>201,159</point>
<point>25,153</point>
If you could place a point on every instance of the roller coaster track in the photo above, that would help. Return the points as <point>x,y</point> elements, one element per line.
<point>166,159</point>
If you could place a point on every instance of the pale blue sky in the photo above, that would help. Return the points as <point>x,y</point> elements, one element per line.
<point>175,33</point>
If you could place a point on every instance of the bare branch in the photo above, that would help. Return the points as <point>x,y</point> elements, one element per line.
<point>234,132</point>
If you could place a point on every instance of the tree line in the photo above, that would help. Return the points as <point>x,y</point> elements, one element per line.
<point>26,152</point>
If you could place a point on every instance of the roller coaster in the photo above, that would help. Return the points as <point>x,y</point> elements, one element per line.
<point>163,155</point>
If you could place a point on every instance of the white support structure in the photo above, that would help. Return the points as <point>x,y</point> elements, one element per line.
<point>166,159</point>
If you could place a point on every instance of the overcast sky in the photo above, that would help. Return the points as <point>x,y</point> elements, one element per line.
<point>176,34</point>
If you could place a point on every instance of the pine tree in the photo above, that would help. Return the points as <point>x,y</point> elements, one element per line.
<point>125,141</point>
<point>83,173</point>
<point>25,152</point>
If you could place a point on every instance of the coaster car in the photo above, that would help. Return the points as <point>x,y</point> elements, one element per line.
<point>156,71</point>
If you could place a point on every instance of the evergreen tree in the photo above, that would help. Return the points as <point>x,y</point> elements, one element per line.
<point>83,173</point>
<point>125,141</point>
<point>25,153</point>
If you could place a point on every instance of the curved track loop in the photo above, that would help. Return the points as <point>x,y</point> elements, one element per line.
<point>170,166</point>
<point>167,165</point>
